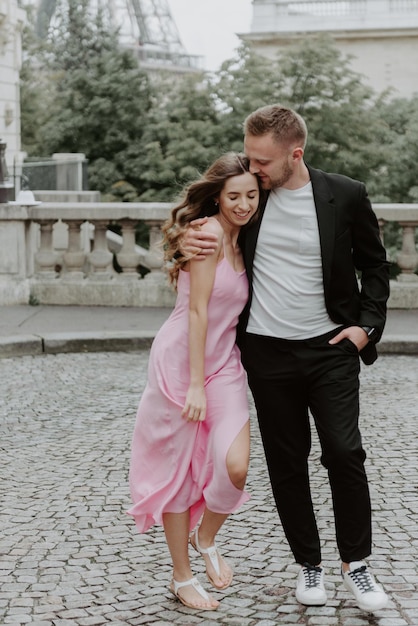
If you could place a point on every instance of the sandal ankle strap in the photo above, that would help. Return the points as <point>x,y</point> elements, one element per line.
<point>212,552</point>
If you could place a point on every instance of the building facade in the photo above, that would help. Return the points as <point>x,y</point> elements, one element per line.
<point>380,35</point>
<point>11,23</point>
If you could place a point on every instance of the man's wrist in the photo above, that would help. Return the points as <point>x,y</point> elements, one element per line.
<point>371,332</point>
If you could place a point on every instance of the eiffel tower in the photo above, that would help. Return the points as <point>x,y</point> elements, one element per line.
<point>146,26</point>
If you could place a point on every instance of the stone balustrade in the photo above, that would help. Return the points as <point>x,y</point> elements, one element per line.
<point>62,253</point>
<point>404,290</point>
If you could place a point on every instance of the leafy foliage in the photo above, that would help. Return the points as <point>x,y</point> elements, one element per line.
<point>180,140</point>
<point>242,85</point>
<point>337,107</point>
<point>35,87</point>
<point>399,184</point>
<point>101,98</point>
<point>145,137</point>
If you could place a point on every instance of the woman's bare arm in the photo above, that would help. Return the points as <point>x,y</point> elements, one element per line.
<point>199,241</point>
<point>202,277</point>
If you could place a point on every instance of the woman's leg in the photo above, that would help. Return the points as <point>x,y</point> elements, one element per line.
<point>176,528</point>
<point>238,457</point>
<point>237,461</point>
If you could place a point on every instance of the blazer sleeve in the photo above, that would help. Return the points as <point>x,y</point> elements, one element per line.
<point>369,257</point>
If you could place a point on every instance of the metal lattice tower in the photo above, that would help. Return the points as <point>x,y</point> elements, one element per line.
<point>147,26</point>
<point>151,22</point>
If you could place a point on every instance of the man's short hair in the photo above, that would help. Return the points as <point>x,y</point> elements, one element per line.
<point>283,123</point>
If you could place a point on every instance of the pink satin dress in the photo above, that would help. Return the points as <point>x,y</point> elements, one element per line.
<point>178,465</point>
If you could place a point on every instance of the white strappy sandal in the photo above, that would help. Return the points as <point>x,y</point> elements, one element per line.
<point>175,586</point>
<point>213,555</point>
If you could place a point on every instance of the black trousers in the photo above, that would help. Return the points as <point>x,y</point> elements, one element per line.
<point>287,378</point>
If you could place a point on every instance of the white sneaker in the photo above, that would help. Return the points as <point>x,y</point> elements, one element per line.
<point>310,588</point>
<point>368,594</point>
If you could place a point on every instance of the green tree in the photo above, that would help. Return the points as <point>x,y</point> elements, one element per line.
<point>340,110</point>
<point>315,79</point>
<point>101,98</point>
<point>243,84</point>
<point>399,182</point>
<point>34,89</point>
<point>180,141</point>
<point>145,138</point>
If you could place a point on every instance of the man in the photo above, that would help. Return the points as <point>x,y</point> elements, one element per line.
<point>306,324</point>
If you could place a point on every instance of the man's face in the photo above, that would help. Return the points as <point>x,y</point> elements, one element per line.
<point>272,162</point>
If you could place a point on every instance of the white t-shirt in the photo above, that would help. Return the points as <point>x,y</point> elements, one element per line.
<point>288,293</point>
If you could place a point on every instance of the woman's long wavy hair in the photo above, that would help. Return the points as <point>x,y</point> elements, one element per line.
<point>200,199</point>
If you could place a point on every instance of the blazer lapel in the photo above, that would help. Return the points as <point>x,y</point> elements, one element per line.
<point>250,237</point>
<point>325,210</point>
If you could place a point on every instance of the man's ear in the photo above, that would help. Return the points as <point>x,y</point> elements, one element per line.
<point>297,153</point>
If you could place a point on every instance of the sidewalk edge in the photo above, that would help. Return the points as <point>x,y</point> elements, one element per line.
<point>127,341</point>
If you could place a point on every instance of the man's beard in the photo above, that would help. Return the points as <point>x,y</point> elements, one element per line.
<point>280,181</point>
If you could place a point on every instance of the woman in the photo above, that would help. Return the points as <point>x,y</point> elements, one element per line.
<point>190,448</point>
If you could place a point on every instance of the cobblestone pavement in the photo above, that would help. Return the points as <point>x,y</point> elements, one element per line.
<point>69,555</point>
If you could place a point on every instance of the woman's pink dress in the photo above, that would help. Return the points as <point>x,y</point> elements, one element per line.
<point>178,465</point>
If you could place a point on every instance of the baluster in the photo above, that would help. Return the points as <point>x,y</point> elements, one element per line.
<point>407,258</point>
<point>45,257</point>
<point>74,257</point>
<point>100,258</point>
<point>154,259</point>
<point>128,258</point>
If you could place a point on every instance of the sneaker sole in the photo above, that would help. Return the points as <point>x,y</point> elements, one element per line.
<point>361,606</point>
<point>378,607</point>
<point>312,602</point>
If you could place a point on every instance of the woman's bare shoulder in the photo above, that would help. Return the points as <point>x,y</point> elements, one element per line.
<point>213,226</point>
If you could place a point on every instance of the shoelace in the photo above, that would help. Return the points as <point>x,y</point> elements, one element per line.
<point>362,579</point>
<point>312,575</point>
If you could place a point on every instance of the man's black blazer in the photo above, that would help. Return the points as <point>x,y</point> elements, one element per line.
<point>351,250</point>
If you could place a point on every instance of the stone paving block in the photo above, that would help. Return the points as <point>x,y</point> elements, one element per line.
<point>20,619</point>
<point>92,621</point>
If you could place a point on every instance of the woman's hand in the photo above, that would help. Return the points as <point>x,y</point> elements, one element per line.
<point>195,406</point>
<point>198,243</point>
